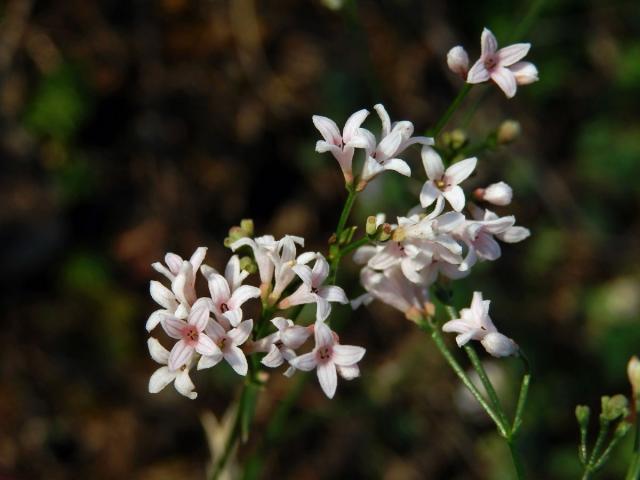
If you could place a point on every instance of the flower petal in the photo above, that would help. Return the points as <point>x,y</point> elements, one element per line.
<point>478,73</point>
<point>219,288</point>
<point>398,165</point>
<point>328,378</point>
<point>506,80</point>
<point>160,379</point>
<point>460,171</point>
<point>199,315</point>
<point>184,385</point>
<point>428,194</point>
<point>294,337</point>
<point>384,119</point>
<point>333,294</point>
<point>507,56</point>
<point>173,327</point>
<point>173,261</point>
<point>455,197</point>
<point>197,258</point>
<point>240,334</point>
<point>328,129</point>
<point>241,295</point>
<point>320,272</point>
<point>162,295</point>
<point>234,317</point>
<point>273,359</point>
<point>306,362</point>
<point>235,357</point>
<point>348,372</point>
<point>346,355</point>
<point>353,124</point>
<point>180,355</point>
<point>205,345</point>
<point>154,319</point>
<point>323,335</point>
<point>157,351</point>
<point>488,43</point>
<point>525,72</point>
<point>210,360</point>
<point>323,309</point>
<point>304,272</point>
<point>432,163</point>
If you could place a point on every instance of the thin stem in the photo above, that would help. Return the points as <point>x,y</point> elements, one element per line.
<point>515,456</point>
<point>435,131</point>
<point>602,435</point>
<point>522,396</point>
<point>354,245</point>
<point>436,336</point>
<point>230,444</point>
<point>335,249</point>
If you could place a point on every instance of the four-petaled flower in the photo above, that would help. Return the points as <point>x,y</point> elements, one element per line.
<point>330,358</point>
<point>444,184</point>
<point>475,324</point>
<point>502,66</point>
<point>163,376</point>
<point>312,290</point>
<point>190,335</point>
<point>224,304</point>
<point>226,345</point>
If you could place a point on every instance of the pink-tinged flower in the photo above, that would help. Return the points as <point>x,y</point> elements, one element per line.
<point>502,66</point>
<point>232,273</point>
<point>382,156</point>
<point>475,324</point>
<point>226,346</point>
<point>182,275</point>
<point>261,247</point>
<point>394,289</point>
<point>330,358</point>
<point>444,184</point>
<point>284,342</point>
<point>284,259</point>
<point>340,144</point>
<point>513,234</point>
<point>458,61</point>
<point>190,335</point>
<point>163,376</point>
<point>497,193</point>
<point>225,304</point>
<point>312,290</point>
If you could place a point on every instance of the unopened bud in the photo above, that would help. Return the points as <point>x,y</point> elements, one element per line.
<point>622,429</point>
<point>385,232</point>
<point>507,132</point>
<point>372,226</point>
<point>497,193</point>
<point>499,345</point>
<point>633,370</point>
<point>582,415</point>
<point>246,225</point>
<point>525,73</point>
<point>458,61</point>
<point>614,407</point>
<point>247,263</point>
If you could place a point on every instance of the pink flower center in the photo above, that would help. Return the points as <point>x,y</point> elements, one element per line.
<point>222,343</point>
<point>314,290</point>
<point>324,354</point>
<point>490,62</point>
<point>224,308</point>
<point>190,335</point>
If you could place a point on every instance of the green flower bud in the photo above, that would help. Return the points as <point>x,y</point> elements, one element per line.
<point>384,232</point>
<point>246,225</point>
<point>614,407</point>
<point>247,263</point>
<point>508,132</point>
<point>582,415</point>
<point>371,226</point>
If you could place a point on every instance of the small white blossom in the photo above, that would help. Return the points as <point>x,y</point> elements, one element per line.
<point>497,193</point>
<point>313,291</point>
<point>475,324</point>
<point>163,376</point>
<point>458,61</point>
<point>225,305</point>
<point>226,345</point>
<point>284,342</point>
<point>502,66</point>
<point>261,247</point>
<point>444,184</point>
<point>330,358</point>
<point>232,272</point>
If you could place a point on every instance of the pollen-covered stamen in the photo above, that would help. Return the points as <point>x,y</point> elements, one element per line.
<point>222,343</point>
<point>441,184</point>
<point>190,335</point>
<point>324,354</point>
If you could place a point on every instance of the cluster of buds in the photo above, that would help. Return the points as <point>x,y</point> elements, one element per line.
<point>211,328</point>
<point>504,66</point>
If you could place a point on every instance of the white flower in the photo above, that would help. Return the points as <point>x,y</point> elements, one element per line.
<point>479,237</point>
<point>340,144</point>
<point>182,275</point>
<point>232,272</point>
<point>382,156</point>
<point>284,258</point>
<point>225,305</point>
<point>284,342</point>
<point>261,247</point>
<point>190,335</point>
<point>330,358</point>
<point>312,290</point>
<point>502,66</point>
<point>393,288</point>
<point>444,184</point>
<point>163,376</point>
<point>227,346</point>
<point>497,193</point>
<point>513,234</point>
<point>458,61</point>
<point>475,324</point>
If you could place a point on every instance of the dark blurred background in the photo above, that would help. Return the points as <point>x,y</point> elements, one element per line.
<point>129,129</point>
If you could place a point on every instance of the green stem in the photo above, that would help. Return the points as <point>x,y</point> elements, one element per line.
<point>515,456</point>
<point>634,468</point>
<point>435,131</point>
<point>436,336</point>
<point>602,435</point>
<point>335,249</point>
<point>522,395</point>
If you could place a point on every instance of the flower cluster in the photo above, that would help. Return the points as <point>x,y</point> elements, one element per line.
<point>209,329</point>
<point>426,245</point>
<point>504,66</point>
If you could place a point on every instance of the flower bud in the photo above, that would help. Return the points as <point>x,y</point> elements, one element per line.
<point>385,232</point>
<point>247,263</point>
<point>582,415</point>
<point>372,225</point>
<point>246,225</point>
<point>508,131</point>
<point>633,370</point>
<point>499,345</point>
<point>614,407</point>
<point>525,73</point>
<point>458,61</point>
<point>497,193</point>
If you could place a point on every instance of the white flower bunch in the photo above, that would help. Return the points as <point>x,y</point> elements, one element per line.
<point>211,328</point>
